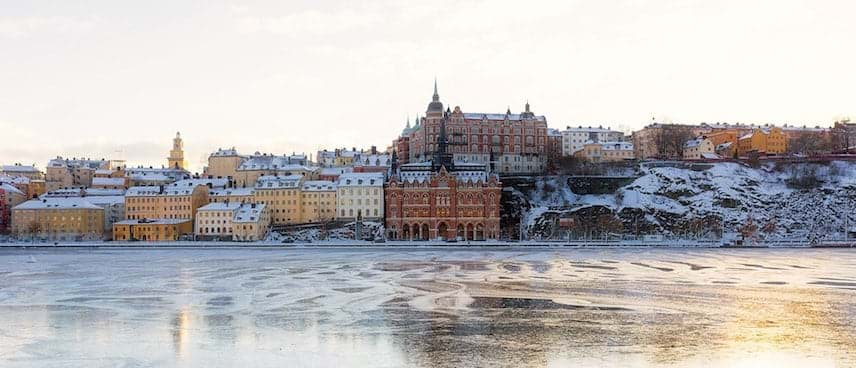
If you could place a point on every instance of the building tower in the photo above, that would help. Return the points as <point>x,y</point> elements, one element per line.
<point>176,155</point>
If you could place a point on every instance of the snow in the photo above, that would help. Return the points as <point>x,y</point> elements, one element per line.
<point>361,179</point>
<point>275,181</point>
<point>57,203</point>
<point>319,185</point>
<point>108,181</point>
<point>500,117</point>
<point>10,189</point>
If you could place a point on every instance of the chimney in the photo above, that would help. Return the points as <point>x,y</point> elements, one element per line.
<point>160,189</point>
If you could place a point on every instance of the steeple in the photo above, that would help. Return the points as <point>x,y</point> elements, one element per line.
<point>527,106</point>
<point>436,97</point>
<point>435,106</point>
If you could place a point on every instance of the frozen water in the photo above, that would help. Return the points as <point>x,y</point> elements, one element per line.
<point>429,307</point>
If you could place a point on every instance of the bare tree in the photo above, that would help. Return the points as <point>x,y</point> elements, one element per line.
<point>672,139</point>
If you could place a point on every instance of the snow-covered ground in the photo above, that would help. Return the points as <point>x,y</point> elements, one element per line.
<point>727,196</point>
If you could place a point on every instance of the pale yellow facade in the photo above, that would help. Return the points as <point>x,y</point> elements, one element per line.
<point>223,164</point>
<point>170,202</point>
<point>233,221</point>
<point>282,196</point>
<point>318,201</point>
<point>151,230</point>
<point>59,219</point>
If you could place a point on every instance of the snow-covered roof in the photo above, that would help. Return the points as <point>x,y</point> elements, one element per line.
<point>147,174</point>
<point>318,185</point>
<point>158,221</point>
<point>225,192</point>
<point>616,146</point>
<point>106,200</point>
<point>589,129</point>
<point>91,192</point>
<point>271,162</point>
<point>57,203</point>
<point>361,179</point>
<point>372,160</point>
<point>692,143</point>
<point>747,136</point>
<point>249,212</point>
<point>154,191</point>
<point>426,175</point>
<point>103,172</point>
<point>275,181</point>
<point>335,171</point>
<point>501,117</point>
<point>214,182</point>
<point>225,152</point>
<point>711,156</point>
<point>19,169</point>
<point>64,162</point>
<point>220,206</point>
<point>8,188</point>
<point>108,181</point>
<point>14,179</point>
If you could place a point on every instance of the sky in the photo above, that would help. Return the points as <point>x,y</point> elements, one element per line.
<point>117,79</point>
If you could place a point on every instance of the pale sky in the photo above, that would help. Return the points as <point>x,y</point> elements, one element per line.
<point>90,78</point>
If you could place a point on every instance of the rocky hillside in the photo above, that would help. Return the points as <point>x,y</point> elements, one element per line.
<point>774,201</point>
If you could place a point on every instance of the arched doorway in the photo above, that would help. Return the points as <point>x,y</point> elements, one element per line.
<point>470,232</point>
<point>461,234</point>
<point>443,231</point>
<point>405,232</point>
<point>479,232</point>
<point>425,235</point>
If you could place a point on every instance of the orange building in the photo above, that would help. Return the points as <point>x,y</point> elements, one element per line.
<point>764,141</point>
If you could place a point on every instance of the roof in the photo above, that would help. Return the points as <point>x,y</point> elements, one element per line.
<point>501,117</point>
<point>360,179</point>
<point>226,152</point>
<point>695,142</point>
<point>214,183</point>
<point>589,129</point>
<point>426,175</point>
<point>103,172</point>
<point>92,192</point>
<point>154,191</point>
<point>14,179</point>
<point>335,171</point>
<point>616,146</point>
<point>64,162</point>
<point>106,200</point>
<point>152,222</point>
<point>220,206</point>
<point>275,181</point>
<point>108,182</point>
<point>57,203</point>
<point>373,160</point>
<point>19,168</point>
<point>10,189</point>
<point>249,212</point>
<point>318,185</point>
<point>224,192</point>
<point>271,162</point>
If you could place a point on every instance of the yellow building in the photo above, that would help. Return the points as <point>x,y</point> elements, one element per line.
<point>176,154</point>
<point>764,141</point>
<point>318,201</point>
<point>235,195</point>
<point>59,219</point>
<point>151,230</point>
<point>699,148</point>
<point>27,171</point>
<point>175,201</point>
<point>223,163</point>
<point>64,173</point>
<point>606,152</point>
<point>258,165</point>
<point>232,221</point>
<point>282,196</point>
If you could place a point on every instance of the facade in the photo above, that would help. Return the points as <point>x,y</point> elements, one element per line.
<point>233,221</point>
<point>109,183</point>
<point>373,162</point>
<point>151,229</point>
<point>763,141</point>
<point>573,139</point>
<point>223,163</point>
<point>176,154</point>
<point>63,173</point>
<point>423,204</point>
<point>699,148</point>
<point>596,152</point>
<point>318,201</point>
<point>360,195</point>
<point>30,187</point>
<point>258,165</point>
<point>333,173</point>
<point>26,171</point>
<point>281,195</point>
<point>10,196</point>
<point>237,195</point>
<point>508,143</point>
<point>175,201</point>
<point>59,219</point>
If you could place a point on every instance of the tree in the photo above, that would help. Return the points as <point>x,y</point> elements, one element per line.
<point>671,140</point>
<point>811,143</point>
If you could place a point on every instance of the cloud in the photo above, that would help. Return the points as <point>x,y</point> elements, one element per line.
<point>309,22</point>
<point>24,26</point>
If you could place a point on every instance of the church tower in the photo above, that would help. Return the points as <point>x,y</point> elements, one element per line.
<point>176,155</point>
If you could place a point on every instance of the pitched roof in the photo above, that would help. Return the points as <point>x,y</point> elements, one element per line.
<point>57,203</point>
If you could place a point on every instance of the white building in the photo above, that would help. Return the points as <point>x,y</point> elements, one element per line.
<point>232,221</point>
<point>360,195</point>
<point>574,139</point>
<point>699,148</point>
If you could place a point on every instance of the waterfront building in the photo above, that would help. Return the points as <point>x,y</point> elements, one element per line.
<point>151,229</point>
<point>232,221</point>
<point>175,201</point>
<point>59,219</point>
<point>282,196</point>
<point>10,196</point>
<point>223,163</point>
<point>360,196</point>
<point>318,201</point>
<point>32,188</point>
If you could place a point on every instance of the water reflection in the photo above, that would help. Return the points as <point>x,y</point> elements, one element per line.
<point>435,308</point>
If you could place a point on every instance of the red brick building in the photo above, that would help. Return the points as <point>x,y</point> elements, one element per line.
<point>422,204</point>
<point>508,143</point>
<point>4,212</point>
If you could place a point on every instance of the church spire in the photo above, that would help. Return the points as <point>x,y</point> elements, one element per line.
<point>436,96</point>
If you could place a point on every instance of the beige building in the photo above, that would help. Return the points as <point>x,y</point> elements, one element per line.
<point>318,201</point>
<point>606,152</point>
<point>258,165</point>
<point>223,163</point>
<point>151,230</point>
<point>148,176</point>
<point>232,221</point>
<point>59,219</point>
<point>360,195</point>
<point>64,173</point>
<point>175,201</point>
<point>236,195</point>
<point>26,171</point>
<point>176,154</point>
<point>699,148</point>
<point>282,196</point>
<point>573,139</point>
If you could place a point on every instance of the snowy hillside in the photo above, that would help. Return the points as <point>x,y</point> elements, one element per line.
<point>793,201</point>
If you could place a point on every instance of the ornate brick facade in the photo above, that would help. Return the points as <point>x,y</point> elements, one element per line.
<point>430,205</point>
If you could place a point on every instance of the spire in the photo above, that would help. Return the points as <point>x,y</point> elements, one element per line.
<point>527,105</point>
<point>436,96</point>
<point>508,112</point>
<point>408,121</point>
